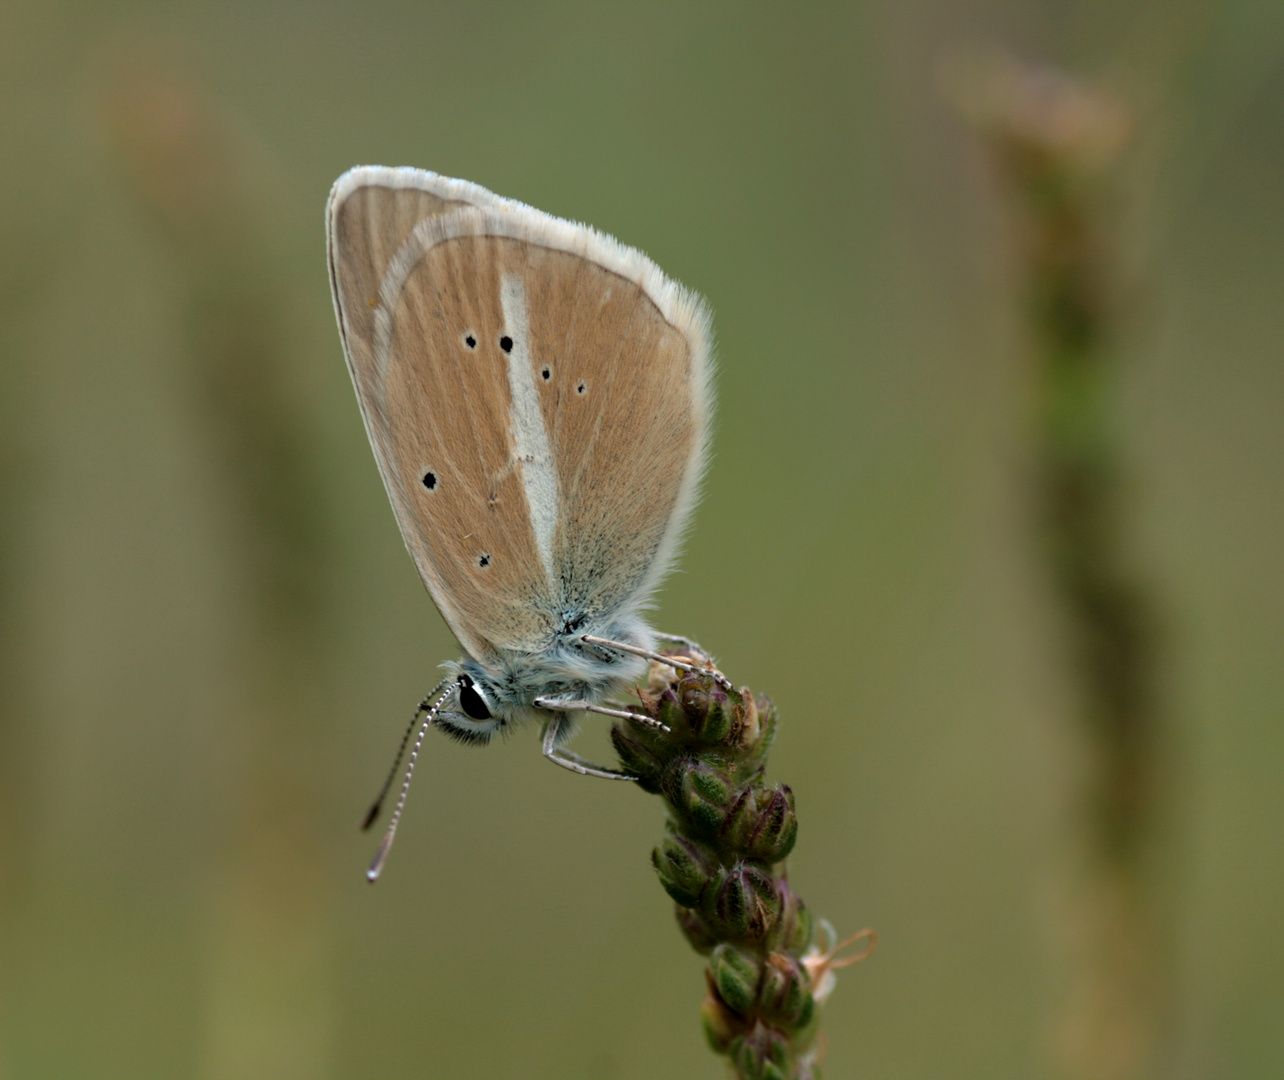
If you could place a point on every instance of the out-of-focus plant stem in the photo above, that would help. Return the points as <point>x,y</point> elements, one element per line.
<point>722,862</point>
<point>200,181</point>
<point>1058,144</point>
<point>18,473</point>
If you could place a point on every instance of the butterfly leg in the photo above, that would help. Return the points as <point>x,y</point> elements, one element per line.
<point>553,705</point>
<point>684,642</point>
<point>571,761</point>
<point>668,661</point>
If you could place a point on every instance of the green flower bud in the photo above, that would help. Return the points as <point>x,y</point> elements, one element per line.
<point>747,728</point>
<point>709,784</point>
<point>735,975</point>
<point>684,867</point>
<point>718,720</point>
<point>637,757</point>
<point>693,692</point>
<point>762,1054</point>
<point>708,714</point>
<point>745,904</point>
<point>707,710</point>
<point>757,730</point>
<point>721,1025</point>
<point>669,711</point>
<point>697,931</point>
<point>784,992</point>
<point>762,823</point>
<point>701,796</point>
<point>792,931</point>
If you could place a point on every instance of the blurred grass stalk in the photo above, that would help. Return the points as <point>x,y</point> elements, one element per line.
<point>201,184</point>
<point>19,281</point>
<point>1058,145</point>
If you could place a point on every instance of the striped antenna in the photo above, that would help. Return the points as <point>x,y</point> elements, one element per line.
<point>374,811</point>
<point>381,856</point>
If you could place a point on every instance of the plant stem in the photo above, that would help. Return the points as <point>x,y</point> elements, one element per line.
<point>722,862</point>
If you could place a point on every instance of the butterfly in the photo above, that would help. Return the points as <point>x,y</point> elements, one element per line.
<point>538,397</point>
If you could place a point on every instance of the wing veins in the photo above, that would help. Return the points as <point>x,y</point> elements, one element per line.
<point>564,360</point>
<point>604,395</point>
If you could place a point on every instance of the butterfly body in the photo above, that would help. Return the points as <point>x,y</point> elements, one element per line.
<point>537,398</point>
<point>565,670</point>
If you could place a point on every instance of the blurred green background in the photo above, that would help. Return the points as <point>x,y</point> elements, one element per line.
<point>212,634</point>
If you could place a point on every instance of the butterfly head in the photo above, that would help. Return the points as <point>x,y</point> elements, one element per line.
<point>488,699</point>
<point>470,714</point>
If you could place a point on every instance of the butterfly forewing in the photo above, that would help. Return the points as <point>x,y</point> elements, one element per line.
<point>368,223</point>
<point>535,394</point>
<point>448,404</point>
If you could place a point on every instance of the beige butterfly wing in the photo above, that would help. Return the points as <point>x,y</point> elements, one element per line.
<point>536,394</point>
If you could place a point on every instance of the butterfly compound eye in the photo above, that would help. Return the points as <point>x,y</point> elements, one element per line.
<point>473,704</point>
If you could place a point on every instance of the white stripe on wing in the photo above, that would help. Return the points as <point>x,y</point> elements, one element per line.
<point>530,440</point>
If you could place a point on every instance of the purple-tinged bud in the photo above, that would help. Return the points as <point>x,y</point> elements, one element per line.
<point>694,693</point>
<point>762,823</point>
<point>744,905</point>
<point>713,724</point>
<point>762,1054</point>
<point>784,992</point>
<point>721,1025</point>
<point>792,931</point>
<point>757,731</point>
<point>697,931</point>
<point>684,867</point>
<point>735,974</point>
<point>747,726</point>
<point>637,757</point>
<point>703,793</point>
<point>669,710</point>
